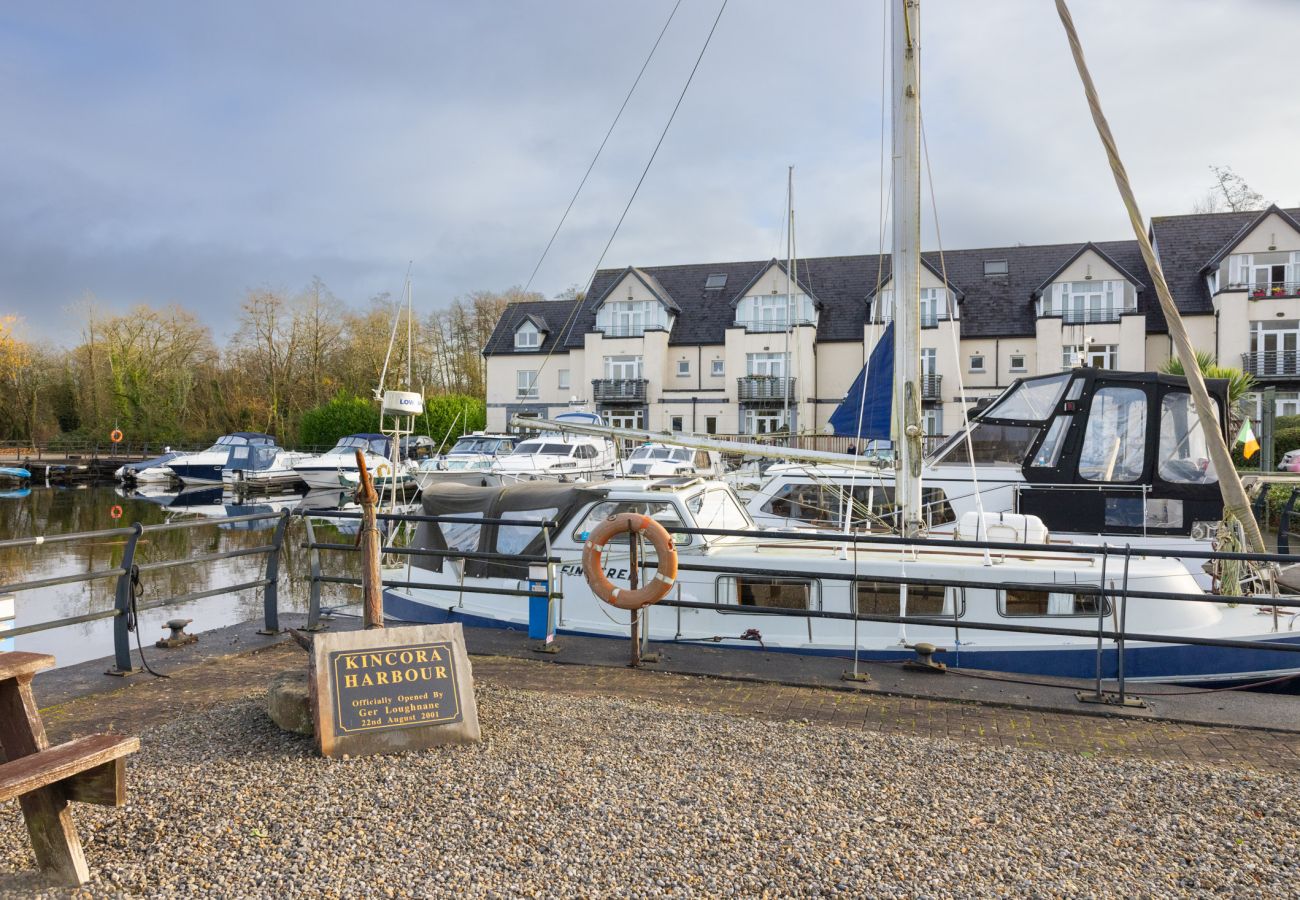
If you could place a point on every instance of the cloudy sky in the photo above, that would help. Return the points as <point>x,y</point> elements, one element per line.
<point>182,152</point>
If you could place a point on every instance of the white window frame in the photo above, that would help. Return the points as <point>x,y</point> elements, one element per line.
<point>562,379</point>
<point>719,368</point>
<point>981,358</point>
<point>929,361</point>
<point>770,364</point>
<point>528,336</point>
<point>1089,355</point>
<point>683,368</point>
<point>1012,362</point>
<point>625,367</point>
<point>526,384</point>
<point>676,423</point>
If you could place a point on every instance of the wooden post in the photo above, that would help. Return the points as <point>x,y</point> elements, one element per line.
<point>371,585</point>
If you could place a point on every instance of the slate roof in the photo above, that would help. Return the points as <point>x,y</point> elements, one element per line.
<point>991,306</point>
<point>1186,244</point>
<point>549,315</point>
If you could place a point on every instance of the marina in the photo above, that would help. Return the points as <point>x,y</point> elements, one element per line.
<point>934,562</point>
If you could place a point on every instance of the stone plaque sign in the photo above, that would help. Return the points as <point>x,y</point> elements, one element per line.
<point>392,689</point>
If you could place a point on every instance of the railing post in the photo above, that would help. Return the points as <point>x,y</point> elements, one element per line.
<point>1123,624</point>
<point>271,592</point>
<point>124,622</point>
<point>313,559</point>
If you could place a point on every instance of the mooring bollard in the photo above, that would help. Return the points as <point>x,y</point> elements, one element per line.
<point>124,606</point>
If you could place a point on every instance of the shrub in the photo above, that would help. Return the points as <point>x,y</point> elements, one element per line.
<point>343,415</point>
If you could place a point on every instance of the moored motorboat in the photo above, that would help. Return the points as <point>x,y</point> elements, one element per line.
<point>14,475</point>
<point>206,467</point>
<point>149,471</point>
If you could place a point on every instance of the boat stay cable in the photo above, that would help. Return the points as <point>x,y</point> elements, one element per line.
<point>563,330</point>
<point>1236,503</point>
<point>612,125</point>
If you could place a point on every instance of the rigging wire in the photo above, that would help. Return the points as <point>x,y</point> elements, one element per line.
<point>612,125</point>
<point>636,190</point>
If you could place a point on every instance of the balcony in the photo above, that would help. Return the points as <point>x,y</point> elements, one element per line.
<point>765,326</point>
<point>931,387</point>
<point>1272,364</point>
<point>764,388</point>
<point>1272,289</point>
<point>619,390</point>
<point>1087,316</point>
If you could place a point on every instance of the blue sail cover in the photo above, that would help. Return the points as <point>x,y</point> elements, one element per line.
<point>877,381</point>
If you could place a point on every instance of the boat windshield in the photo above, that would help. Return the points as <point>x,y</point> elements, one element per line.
<point>475,445</point>
<point>355,442</point>
<point>668,453</point>
<point>719,509</point>
<point>993,443</point>
<point>532,448</point>
<point>1033,400</point>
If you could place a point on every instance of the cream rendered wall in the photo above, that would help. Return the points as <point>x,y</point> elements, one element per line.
<point>1158,349</point>
<point>701,386</point>
<point>502,375</point>
<point>1090,266</point>
<point>838,364</point>
<point>1272,232</point>
<point>1233,337</point>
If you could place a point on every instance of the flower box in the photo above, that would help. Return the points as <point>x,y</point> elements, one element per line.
<point>1256,293</point>
<point>1279,292</point>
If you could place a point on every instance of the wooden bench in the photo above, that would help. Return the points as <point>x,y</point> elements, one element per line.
<point>46,779</point>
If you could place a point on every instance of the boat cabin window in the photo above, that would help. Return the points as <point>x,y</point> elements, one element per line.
<point>822,504</point>
<point>461,536</point>
<point>1049,454</point>
<point>764,590</point>
<point>1020,602</point>
<point>1115,440</point>
<point>515,538</point>
<point>662,511</point>
<point>585,451</point>
<point>1184,455</point>
<point>528,448</point>
<point>876,598</point>
<point>719,509</point>
<point>1033,400</point>
<point>994,445</point>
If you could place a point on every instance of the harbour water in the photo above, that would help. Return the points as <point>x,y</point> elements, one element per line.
<point>46,511</point>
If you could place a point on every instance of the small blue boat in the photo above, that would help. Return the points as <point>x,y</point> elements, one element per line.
<point>11,474</point>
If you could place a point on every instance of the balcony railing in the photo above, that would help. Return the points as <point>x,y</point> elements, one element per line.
<point>619,390</point>
<point>757,388</point>
<point>1272,289</point>
<point>1088,316</point>
<point>1272,364</point>
<point>622,331</point>
<point>927,320</point>
<point>931,386</point>
<point>760,326</point>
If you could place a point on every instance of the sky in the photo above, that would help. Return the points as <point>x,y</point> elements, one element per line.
<point>189,153</point>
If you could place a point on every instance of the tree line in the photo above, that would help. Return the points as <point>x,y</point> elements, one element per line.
<point>157,373</point>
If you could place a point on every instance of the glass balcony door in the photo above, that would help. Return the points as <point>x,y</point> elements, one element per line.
<point>1274,346</point>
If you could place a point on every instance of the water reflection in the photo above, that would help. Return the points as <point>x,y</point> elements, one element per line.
<point>45,511</point>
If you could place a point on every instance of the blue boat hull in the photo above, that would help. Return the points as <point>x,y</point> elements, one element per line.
<point>198,474</point>
<point>1172,663</point>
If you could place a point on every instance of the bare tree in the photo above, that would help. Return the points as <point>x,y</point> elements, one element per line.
<point>1229,193</point>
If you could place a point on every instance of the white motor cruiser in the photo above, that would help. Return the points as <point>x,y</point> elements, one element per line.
<point>337,469</point>
<point>469,461</point>
<point>263,469</point>
<point>207,466</point>
<point>148,471</point>
<point>652,460</point>
<point>556,456</point>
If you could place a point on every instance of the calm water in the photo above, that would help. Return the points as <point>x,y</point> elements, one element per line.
<point>53,510</point>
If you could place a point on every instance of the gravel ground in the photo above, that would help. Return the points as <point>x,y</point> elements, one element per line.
<point>603,797</point>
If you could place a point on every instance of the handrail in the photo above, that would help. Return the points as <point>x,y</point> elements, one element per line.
<point>415,517</point>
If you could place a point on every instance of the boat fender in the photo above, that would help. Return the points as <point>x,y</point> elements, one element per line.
<point>382,470</point>
<point>656,587</point>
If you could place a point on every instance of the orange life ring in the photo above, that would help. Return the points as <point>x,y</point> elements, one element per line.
<point>116,512</point>
<point>115,436</point>
<point>656,587</point>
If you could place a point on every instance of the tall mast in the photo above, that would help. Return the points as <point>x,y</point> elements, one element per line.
<point>906,263</point>
<point>789,295</point>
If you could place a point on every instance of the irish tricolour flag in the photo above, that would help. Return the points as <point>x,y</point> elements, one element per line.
<point>1247,436</point>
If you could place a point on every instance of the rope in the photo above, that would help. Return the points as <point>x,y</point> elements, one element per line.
<point>612,125</point>
<point>644,172</point>
<point>1235,500</point>
<point>133,619</point>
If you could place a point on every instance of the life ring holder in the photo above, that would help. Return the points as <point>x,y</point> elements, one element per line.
<point>115,435</point>
<point>656,587</point>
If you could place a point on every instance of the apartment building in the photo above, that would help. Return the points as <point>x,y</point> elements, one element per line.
<point>751,348</point>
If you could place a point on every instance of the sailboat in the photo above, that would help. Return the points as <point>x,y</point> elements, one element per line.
<point>829,593</point>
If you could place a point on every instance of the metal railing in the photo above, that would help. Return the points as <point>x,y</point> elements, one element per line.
<point>751,388</point>
<point>1268,289</point>
<point>1113,592</point>
<point>768,326</point>
<point>619,390</point>
<point>128,585</point>
<point>931,386</point>
<point>1272,363</point>
<point>1088,316</point>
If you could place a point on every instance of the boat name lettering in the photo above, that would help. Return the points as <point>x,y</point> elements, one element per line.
<point>575,569</point>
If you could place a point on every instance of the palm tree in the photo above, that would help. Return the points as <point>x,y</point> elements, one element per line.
<point>1239,383</point>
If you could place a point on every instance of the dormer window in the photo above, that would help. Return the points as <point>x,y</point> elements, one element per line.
<point>715,282</point>
<point>775,312</point>
<point>935,307</point>
<point>1272,274</point>
<point>528,336</point>
<point>1087,302</point>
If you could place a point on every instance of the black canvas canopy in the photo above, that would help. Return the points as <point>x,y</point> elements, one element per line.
<point>529,503</point>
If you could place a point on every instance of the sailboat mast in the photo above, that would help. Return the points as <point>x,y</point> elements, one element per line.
<point>906,264</point>
<point>789,297</point>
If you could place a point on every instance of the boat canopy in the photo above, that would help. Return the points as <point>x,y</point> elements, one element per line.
<point>367,443</point>
<point>151,463</point>
<point>241,439</point>
<point>256,458</point>
<point>531,502</point>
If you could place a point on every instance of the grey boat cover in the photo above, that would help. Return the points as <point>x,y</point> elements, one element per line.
<point>529,502</point>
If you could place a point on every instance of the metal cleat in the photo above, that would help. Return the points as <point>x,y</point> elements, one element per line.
<point>925,661</point>
<point>178,637</point>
